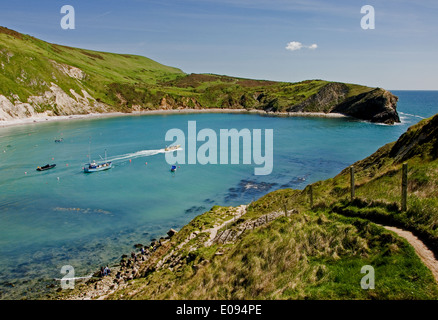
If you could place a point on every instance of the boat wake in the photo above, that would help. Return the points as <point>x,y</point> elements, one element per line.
<point>139,154</point>
<point>411,115</point>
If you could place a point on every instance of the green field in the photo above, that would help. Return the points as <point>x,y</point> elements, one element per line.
<point>124,81</point>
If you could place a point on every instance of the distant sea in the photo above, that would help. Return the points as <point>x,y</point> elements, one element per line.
<point>65,217</point>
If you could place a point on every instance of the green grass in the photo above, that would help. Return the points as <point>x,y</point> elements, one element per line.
<point>123,81</point>
<point>34,57</point>
<point>306,256</point>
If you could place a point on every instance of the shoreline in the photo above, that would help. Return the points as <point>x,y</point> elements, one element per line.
<point>45,119</point>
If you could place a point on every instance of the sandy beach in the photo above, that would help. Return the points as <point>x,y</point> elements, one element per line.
<point>44,118</point>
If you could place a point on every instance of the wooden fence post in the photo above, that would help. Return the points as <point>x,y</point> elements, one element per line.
<point>404,187</point>
<point>352,182</point>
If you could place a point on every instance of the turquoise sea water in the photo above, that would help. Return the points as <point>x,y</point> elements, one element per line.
<point>65,217</point>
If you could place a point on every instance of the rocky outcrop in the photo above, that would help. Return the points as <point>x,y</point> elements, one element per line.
<point>70,71</point>
<point>324,100</point>
<point>54,102</point>
<point>420,139</point>
<point>378,105</point>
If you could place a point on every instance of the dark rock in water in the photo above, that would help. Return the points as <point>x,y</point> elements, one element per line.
<point>153,239</point>
<point>138,245</point>
<point>294,183</point>
<point>249,188</point>
<point>208,200</point>
<point>124,256</point>
<point>195,209</point>
<point>377,105</point>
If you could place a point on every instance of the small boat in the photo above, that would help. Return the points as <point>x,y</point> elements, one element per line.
<point>59,140</point>
<point>173,168</point>
<point>93,166</point>
<point>171,148</point>
<point>46,167</point>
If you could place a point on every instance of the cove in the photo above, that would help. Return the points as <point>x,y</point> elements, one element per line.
<point>65,217</point>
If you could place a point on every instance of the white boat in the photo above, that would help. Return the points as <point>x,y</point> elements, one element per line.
<point>171,148</point>
<point>93,166</point>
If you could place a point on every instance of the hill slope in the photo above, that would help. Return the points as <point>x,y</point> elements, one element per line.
<point>43,78</point>
<point>279,247</point>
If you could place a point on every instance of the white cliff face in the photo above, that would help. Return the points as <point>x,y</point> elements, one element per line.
<point>71,71</point>
<point>53,99</point>
<point>53,102</point>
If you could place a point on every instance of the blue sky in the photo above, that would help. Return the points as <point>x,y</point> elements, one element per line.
<point>248,38</point>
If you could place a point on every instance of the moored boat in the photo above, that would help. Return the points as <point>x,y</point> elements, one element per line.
<point>46,167</point>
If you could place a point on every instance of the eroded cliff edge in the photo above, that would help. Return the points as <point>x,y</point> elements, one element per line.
<point>376,105</point>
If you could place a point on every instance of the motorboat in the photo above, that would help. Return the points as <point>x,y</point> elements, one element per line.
<point>172,148</point>
<point>94,166</point>
<point>46,167</point>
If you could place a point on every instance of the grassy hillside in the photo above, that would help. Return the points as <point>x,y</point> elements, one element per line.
<point>281,248</point>
<point>305,256</point>
<point>29,65</point>
<point>125,82</point>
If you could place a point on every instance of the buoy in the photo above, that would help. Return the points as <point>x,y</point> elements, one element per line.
<point>53,158</point>
<point>146,163</point>
<point>25,172</point>
<point>67,164</point>
<point>130,160</point>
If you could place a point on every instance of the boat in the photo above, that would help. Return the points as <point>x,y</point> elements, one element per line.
<point>173,168</point>
<point>93,166</point>
<point>171,148</point>
<point>46,167</point>
<point>59,140</point>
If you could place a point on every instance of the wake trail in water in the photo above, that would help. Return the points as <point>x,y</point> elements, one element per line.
<point>411,115</point>
<point>139,154</point>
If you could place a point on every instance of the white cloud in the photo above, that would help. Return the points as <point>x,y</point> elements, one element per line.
<point>295,45</point>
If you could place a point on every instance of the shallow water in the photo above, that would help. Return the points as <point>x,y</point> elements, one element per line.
<point>65,217</point>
